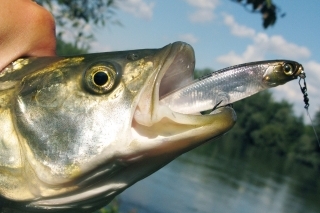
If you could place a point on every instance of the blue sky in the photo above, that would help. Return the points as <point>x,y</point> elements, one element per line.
<point>223,33</point>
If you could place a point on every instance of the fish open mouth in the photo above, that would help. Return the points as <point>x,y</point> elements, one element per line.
<point>154,124</point>
<point>174,69</point>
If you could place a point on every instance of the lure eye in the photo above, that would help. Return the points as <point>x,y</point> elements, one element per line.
<point>100,78</point>
<point>288,69</point>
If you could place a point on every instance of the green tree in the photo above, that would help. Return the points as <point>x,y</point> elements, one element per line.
<point>73,16</point>
<point>68,48</point>
<point>316,121</point>
<point>307,149</point>
<point>199,73</point>
<point>268,10</point>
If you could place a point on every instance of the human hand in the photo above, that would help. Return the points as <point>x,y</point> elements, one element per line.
<point>26,29</point>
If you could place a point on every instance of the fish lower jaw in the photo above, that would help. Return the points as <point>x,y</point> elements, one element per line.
<point>152,129</point>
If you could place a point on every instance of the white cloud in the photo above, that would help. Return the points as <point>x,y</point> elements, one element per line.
<point>189,38</point>
<point>138,8</point>
<point>252,53</point>
<point>312,70</point>
<point>204,10</point>
<point>98,47</point>
<point>279,46</point>
<point>204,4</point>
<point>262,44</point>
<point>201,16</point>
<point>237,29</point>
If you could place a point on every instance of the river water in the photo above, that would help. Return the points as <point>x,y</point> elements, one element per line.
<point>256,182</point>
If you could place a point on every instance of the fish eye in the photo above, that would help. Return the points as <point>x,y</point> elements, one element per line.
<point>288,69</point>
<point>100,78</point>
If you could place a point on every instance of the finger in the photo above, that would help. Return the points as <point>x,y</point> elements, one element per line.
<point>26,29</point>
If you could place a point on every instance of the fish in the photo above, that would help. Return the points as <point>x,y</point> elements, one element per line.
<point>231,84</point>
<point>76,131</point>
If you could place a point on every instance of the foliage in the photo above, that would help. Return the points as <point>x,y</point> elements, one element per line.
<point>200,73</point>
<point>113,207</point>
<point>267,8</point>
<point>66,48</point>
<point>76,18</point>
<point>316,120</point>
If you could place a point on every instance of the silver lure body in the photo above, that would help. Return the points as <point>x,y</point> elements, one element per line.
<point>230,85</point>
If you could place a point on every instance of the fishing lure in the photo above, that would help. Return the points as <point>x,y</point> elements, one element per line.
<point>231,84</point>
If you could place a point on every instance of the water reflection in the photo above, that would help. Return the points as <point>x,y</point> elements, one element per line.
<point>256,182</point>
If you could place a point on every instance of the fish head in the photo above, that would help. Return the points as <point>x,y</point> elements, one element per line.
<point>90,126</point>
<point>281,71</point>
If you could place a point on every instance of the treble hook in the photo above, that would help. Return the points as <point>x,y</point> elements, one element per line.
<point>304,90</point>
<point>306,100</point>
